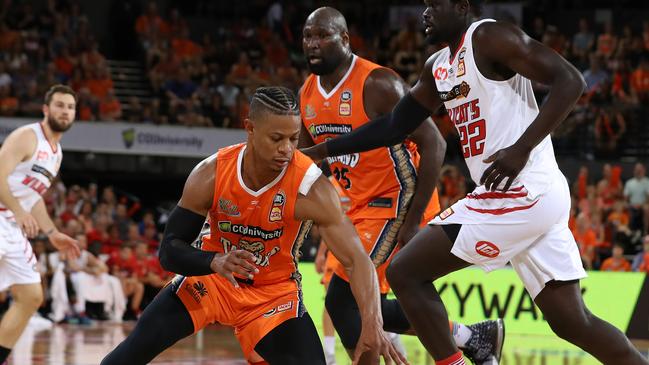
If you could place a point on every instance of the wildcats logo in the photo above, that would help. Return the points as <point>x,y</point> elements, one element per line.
<point>277,210</point>
<point>317,130</point>
<point>457,92</point>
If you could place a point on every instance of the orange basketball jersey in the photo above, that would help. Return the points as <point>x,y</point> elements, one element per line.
<point>261,222</point>
<point>374,179</point>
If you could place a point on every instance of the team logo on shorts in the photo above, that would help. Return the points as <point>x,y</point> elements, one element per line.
<point>487,249</point>
<point>446,213</point>
<point>277,209</point>
<point>280,308</point>
<point>196,291</point>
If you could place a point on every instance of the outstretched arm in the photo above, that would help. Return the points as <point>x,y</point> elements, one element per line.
<point>408,114</point>
<point>535,61</point>
<point>322,206</point>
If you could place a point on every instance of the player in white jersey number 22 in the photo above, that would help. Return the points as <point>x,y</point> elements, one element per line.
<point>30,158</point>
<point>519,211</point>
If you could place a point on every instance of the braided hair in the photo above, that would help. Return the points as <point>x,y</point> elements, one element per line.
<point>274,99</point>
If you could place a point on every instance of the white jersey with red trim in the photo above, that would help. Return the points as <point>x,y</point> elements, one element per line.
<point>491,115</point>
<point>31,179</point>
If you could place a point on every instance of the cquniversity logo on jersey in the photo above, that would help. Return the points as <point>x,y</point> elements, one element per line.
<point>317,130</point>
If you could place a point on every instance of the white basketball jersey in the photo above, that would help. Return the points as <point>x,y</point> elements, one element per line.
<point>490,115</point>
<point>31,179</point>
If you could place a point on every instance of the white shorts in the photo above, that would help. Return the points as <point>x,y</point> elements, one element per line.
<point>532,233</point>
<point>17,260</point>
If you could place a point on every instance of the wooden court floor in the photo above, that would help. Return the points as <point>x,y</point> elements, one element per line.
<point>86,345</point>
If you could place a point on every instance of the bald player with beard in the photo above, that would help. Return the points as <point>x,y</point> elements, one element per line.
<point>391,188</point>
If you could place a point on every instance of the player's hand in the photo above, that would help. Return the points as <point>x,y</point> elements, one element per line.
<point>67,246</point>
<point>407,231</point>
<point>238,262</point>
<point>374,339</point>
<point>506,163</point>
<point>317,152</point>
<point>27,223</point>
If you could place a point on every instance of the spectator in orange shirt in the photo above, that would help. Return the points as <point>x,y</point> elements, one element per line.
<point>241,71</point>
<point>65,63</point>
<point>586,240</point>
<point>607,41</point>
<point>619,216</point>
<point>617,262</point>
<point>150,24</point>
<point>184,47</point>
<point>110,108</point>
<point>99,83</point>
<point>640,80</point>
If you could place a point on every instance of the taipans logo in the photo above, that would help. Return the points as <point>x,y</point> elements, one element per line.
<point>487,249</point>
<point>128,136</point>
<point>309,112</point>
<point>457,92</point>
<point>227,207</point>
<point>250,231</point>
<point>440,74</point>
<point>317,130</point>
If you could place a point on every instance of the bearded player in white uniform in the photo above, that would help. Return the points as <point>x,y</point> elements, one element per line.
<point>30,158</point>
<point>519,211</point>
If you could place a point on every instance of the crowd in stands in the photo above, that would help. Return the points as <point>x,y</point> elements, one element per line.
<point>39,48</point>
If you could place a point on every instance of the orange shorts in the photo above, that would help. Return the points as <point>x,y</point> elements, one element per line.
<point>379,238</point>
<point>253,311</point>
<point>330,267</point>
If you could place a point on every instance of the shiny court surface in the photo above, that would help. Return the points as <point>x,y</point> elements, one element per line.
<point>85,345</point>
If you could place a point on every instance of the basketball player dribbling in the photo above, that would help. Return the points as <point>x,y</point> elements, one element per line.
<point>261,198</point>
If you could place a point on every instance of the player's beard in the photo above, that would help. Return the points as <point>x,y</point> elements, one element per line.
<point>327,66</point>
<point>56,126</point>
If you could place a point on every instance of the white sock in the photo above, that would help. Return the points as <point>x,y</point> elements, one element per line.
<point>461,334</point>
<point>330,350</point>
<point>330,345</point>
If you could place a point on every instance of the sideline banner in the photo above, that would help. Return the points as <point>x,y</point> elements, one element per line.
<point>471,296</point>
<point>138,139</point>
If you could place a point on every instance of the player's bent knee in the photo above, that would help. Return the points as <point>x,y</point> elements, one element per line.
<point>30,298</point>
<point>397,275</point>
